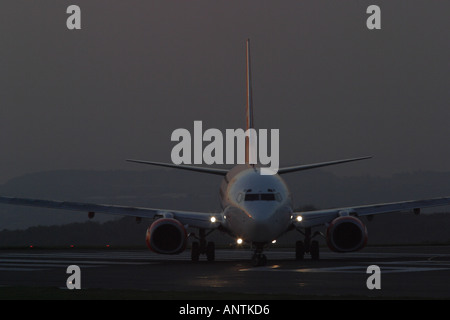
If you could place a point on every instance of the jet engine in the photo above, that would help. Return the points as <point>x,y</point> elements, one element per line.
<point>346,234</point>
<point>166,236</point>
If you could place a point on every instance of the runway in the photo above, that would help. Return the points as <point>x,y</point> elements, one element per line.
<point>406,272</point>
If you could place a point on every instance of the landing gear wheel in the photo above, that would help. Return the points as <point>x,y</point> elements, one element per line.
<point>195,251</point>
<point>259,260</point>
<point>299,251</point>
<point>263,260</point>
<point>314,250</point>
<point>210,251</point>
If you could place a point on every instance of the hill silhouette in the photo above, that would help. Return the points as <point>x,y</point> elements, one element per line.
<point>389,229</point>
<point>171,189</point>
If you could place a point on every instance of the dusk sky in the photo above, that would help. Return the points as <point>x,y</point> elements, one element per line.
<point>138,70</point>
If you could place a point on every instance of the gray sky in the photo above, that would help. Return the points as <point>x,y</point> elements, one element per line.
<point>138,70</point>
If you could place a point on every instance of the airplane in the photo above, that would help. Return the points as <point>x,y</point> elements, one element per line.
<point>256,209</point>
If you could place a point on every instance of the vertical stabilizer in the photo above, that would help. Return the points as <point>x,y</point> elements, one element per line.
<point>249,107</point>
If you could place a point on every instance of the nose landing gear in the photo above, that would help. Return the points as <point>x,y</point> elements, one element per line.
<point>259,259</point>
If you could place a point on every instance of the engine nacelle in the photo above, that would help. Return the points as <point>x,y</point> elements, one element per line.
<point>346,234</point>
<point>166,236</point>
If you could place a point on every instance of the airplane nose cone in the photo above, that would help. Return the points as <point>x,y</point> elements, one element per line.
<point>260,230</point>
<point>261,211</point>
<point>267,222</point>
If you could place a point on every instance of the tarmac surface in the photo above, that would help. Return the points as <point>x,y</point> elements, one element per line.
<point>405,272</point>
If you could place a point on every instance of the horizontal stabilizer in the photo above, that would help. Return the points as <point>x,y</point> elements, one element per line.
<point>220,172</point>
<point>317,165</point>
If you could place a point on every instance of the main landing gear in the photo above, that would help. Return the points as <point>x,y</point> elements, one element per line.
<point>307,246</point>
<point>203,247</point>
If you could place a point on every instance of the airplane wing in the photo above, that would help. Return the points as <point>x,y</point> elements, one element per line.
<point>323,217</point>
<point>192,219</point>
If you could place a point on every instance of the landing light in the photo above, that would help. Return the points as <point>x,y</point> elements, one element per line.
<point>239,241</point>
<point>274,241</point>
<point>299,218</point>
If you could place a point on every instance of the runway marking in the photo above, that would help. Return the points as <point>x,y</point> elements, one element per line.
<point>347,269</point>
<point>404,266</point>
<point>221,255</point>
<point>35,260</point>
<point>24,262</point>
<point>20,269</point>
<point>81,262</point>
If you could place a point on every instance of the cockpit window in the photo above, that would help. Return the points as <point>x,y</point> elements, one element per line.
<point>268,196</point>
<point>251,196</point>
<point>262,197</point>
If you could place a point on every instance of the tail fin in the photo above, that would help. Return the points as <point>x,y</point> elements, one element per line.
<point>249,107</point>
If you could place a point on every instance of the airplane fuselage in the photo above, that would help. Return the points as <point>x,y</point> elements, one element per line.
<point>256,208</point>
